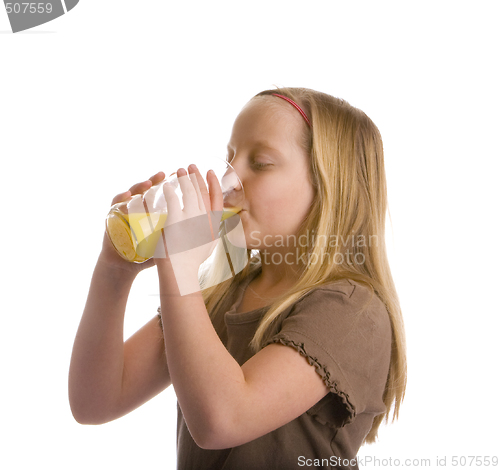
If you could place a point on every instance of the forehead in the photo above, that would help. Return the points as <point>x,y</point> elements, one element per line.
<point>269,119</point>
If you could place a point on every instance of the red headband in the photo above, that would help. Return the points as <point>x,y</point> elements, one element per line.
<point>295,105</point>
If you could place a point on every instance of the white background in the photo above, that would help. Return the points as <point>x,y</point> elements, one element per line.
<point>115,91</point>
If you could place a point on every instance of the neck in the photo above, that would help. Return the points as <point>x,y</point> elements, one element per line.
<point>275,274</point>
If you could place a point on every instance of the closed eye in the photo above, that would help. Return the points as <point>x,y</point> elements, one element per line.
<point>256,165</point>
<point>260,166</point>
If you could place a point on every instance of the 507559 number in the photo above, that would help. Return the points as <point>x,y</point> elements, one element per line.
<point>473,460</point>
<point>28,7</point>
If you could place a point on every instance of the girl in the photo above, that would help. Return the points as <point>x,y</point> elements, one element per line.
<point>298,358</point>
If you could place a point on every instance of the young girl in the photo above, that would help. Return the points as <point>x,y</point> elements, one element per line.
<point>296,359</point>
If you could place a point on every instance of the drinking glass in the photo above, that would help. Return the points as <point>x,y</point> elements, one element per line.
<point>134,226</point>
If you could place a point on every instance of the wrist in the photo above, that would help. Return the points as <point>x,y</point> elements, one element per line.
<point>117,271</point>
<point>176,278</point>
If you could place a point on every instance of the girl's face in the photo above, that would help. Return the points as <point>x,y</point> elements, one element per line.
<point>265,151</point>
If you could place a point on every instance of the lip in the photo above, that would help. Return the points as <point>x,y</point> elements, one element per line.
<point>230,206</point>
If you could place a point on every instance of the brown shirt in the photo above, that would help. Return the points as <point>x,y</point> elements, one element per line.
<point>350,351</point>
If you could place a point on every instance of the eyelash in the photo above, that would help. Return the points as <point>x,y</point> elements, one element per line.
<point>259,165</point>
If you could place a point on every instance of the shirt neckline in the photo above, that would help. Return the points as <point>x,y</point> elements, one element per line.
<point>233,317</point>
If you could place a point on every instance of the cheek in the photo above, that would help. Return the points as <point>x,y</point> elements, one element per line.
<point>272,203</point>
<point>282,200</point>
<point>280,212</point>
<point>296,194</point>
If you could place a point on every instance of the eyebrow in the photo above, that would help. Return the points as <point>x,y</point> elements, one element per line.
<point>265,146</point>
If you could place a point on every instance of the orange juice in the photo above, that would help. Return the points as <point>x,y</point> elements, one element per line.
<point>135,235</point>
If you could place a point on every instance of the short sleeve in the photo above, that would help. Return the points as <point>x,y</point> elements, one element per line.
<point>343,330</point>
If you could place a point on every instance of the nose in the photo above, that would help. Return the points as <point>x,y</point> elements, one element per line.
<point>232,188</point>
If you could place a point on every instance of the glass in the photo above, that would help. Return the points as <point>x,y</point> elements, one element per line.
<point>134,226</point>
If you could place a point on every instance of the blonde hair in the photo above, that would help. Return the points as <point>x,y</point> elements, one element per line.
<point>348,175</point>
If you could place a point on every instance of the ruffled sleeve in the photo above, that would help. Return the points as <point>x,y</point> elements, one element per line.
<point>343,330</point>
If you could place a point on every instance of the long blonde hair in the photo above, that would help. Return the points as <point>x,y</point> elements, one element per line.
<point>348,175</point>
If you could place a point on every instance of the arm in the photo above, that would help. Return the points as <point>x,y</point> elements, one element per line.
<point>109,378</point>
<point>224,404</point>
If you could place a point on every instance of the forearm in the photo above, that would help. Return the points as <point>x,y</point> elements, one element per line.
<point>206,378</point>
<point>96,368</point>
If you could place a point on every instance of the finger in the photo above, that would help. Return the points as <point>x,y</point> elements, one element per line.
<point>203,196</point>
<point>201,188</point>
<point>173,203</point>
<point>139,188</point>
<point>189,196</point>
<point>121,197</point>
<point>216,201</point>
<point>149,195</point>
<point>159,177</point>
<point>216,197</point>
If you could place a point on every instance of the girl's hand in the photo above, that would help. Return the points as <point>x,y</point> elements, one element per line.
<point>108,255</point>
<point>190,234</point>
